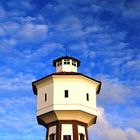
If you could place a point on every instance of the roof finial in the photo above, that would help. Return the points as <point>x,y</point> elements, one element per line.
<point>66,50</point>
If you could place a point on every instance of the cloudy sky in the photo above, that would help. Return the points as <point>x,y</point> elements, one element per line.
<point>103,34</point>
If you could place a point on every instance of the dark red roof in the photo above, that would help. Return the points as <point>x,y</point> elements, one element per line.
<point>66,73</point>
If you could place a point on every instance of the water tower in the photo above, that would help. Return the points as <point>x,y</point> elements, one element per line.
<point>66,101</point>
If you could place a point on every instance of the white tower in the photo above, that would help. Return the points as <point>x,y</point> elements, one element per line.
<point>66,101</point>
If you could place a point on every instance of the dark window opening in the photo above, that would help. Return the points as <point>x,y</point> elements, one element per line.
<point>45,96</point>
<point>66,61</point>
<point>87,97</point>
<point>66,137</point>
<point>66,94</point>
<point>59,63</point>
<point>73,63</point>
<point>82,137</point>
<point>52,136</point>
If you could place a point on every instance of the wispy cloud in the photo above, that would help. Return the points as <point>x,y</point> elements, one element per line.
<point>18,120</point>
<point>115,91</point>
<point>132,10</point>
<point>104,130</point>
<point>26,32</point>
<point>31,32</point>
<point>104,35</point>
<point>18,82</point>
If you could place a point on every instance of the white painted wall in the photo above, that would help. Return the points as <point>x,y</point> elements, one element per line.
<point>66,67</point>
<point>78,88</point>
<point>59,68</point>
<point>45,87</point>
<point>52,130</point>
<point>77,85</point>
<point>67,130</point>
<point>81,129</point>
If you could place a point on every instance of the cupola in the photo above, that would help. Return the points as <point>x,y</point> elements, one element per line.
<point>66,64</point>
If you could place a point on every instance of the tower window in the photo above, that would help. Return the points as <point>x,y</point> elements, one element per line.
<point>52,136</point>
<point>87,96</point>
<point>82,136</point>
<point>45,96</point>
<point>73,63</point>
<point>67,137</point>
<point>66,93</point>
<point>59,63</point>
<point>66,61</point>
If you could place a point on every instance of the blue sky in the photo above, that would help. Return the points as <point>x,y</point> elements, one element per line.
<point>103,34</point>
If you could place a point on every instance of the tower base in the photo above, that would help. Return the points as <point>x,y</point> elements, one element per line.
<point>67,130</point>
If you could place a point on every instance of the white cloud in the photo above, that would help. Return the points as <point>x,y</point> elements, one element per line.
<point>69,24</point>
<point>96,7</point>
<point>2,32</point>
<point>88,30</point>
<point>113,90</point>
<point>27,29</point>
<point>2,12</point>
<point>91,54</point>
<point>133,64</point>
<point>24,5</point>
<point>82,48</point>
<point>7,47</point>
<point>132,10</point>
<point>79,46</point>
<point>75,27</point>
<point>93,28</point>
<point>32,32</point>
<point>47,49</point>
<point>11,27</point>
<point>15,101</point>
<point>105,131</point>
<point>17,118</point>
<point>18,82</point>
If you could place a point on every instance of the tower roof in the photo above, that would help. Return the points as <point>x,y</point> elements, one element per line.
<point>66,57</point>
<point>66,73</point>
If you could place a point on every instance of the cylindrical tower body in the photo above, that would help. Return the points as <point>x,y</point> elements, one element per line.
<point>66,101</point>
